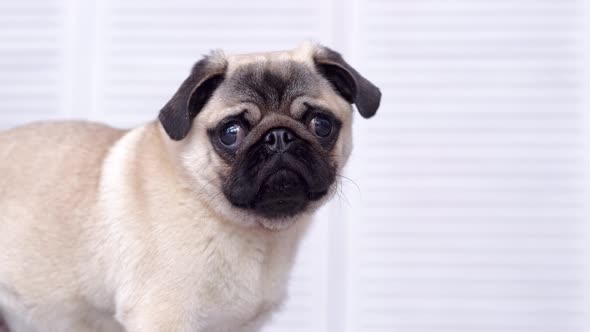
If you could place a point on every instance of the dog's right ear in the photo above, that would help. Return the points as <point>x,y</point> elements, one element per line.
<point>178,114</point>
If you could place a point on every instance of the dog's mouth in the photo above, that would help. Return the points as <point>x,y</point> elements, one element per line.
<point>279,186</point>
<point>284,193</point>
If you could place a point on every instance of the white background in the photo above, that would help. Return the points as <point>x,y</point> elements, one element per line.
<point>466,204</point>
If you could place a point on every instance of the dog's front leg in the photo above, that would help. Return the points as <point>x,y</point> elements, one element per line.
<point>158,314</point>
<point>157,320</point>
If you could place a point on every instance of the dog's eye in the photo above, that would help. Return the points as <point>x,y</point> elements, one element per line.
<point>232,135</point>
<point>321,126</point>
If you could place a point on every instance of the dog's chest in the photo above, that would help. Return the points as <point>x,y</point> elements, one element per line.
<point>246,282</point>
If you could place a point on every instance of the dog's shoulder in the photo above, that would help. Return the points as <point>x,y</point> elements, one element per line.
<point>53,157</point>
<point>62,142</point>
<point>60,133</point>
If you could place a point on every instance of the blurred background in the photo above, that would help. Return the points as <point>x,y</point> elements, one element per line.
<point>466,207</point>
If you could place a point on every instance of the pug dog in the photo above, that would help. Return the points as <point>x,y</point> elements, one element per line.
<point>189,223</point>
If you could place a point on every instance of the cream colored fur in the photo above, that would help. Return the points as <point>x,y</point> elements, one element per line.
<point>142,251</point>
<point>110,230</point>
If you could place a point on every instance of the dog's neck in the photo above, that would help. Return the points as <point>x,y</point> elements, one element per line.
<point>274,251</point>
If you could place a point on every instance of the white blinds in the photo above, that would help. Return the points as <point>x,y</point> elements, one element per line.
<point>465,209</point>
<point>31,60</point>
<point>472,182</point>
<point>146,48</point>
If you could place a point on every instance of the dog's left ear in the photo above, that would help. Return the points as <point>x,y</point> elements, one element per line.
<point>177,115</point>
<point>351,85</point>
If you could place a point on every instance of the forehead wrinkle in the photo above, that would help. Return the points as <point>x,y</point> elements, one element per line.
<point>298,107</point>
<point>250,111</point>
<point>272,85</point>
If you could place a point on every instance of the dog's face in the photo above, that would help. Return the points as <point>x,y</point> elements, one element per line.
<point>262,137</point>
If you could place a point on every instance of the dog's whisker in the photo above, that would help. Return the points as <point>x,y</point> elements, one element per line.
<point>342,177</point>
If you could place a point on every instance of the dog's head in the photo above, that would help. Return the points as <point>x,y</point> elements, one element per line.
<point>263,136</point>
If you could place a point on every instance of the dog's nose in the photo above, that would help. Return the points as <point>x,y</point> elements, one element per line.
<point>279,139</point>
